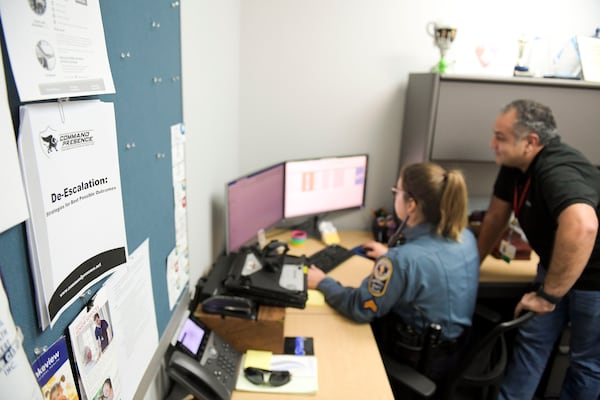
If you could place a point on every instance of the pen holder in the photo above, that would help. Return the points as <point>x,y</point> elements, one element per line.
<point>384,226</point>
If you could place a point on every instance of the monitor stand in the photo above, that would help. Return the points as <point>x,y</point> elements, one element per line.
<point>311,227</point>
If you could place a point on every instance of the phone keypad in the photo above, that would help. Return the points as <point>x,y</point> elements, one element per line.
<point>222,359</point>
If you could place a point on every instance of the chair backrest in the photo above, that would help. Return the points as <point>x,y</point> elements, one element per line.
<point>481,368</point>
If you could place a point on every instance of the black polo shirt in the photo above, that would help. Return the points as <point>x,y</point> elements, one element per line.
<point>560,176</point>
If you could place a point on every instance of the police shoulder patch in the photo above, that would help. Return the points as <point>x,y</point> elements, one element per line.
<point>370,305</point>
<point>380,277</point>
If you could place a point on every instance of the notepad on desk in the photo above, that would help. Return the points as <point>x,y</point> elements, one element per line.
<point>302,368</point>
<point>315,298</point>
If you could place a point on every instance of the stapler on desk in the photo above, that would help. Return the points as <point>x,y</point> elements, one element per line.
<point>235,306</point>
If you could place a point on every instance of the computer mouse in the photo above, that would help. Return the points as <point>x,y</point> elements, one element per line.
<point>366,249</point>
<point>362,250</point>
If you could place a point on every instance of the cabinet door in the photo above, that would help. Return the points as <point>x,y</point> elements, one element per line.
<point>466,112</point>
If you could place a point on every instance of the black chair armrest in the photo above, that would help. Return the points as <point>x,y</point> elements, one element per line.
<point>487,314</point>
<point>408,377</point>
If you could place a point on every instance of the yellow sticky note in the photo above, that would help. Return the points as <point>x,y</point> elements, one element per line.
<point>330,238</point>
<point>315,298</point>
<point>258,359</point>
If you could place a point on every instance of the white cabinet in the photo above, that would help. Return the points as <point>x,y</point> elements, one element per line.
<point>451,117</point>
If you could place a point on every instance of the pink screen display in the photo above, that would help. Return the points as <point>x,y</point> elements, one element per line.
<point>323,185</point>
<point>253,202</point>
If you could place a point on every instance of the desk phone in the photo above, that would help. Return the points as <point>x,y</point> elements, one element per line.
<point>203,362</point>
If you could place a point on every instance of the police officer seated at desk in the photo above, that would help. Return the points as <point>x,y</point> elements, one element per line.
<point>429,278</point>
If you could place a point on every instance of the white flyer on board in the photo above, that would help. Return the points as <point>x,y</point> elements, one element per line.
<point>178,266</point>
<point>115,339</point>
<point>56,48</point>
<point>17,380</point>
<point>76,231</point>
<point>96,350</point>
<point>12,197</point>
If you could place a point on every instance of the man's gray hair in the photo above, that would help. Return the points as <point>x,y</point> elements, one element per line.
<point>533,117</point>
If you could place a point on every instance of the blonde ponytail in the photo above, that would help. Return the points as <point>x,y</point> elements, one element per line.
<point>453,206</point>
<point>441,196</point>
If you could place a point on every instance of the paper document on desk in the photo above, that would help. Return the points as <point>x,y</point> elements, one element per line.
<point>315,298</point>
<point>303,370</point>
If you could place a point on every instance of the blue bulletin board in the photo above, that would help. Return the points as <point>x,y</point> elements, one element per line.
<point>143,45</point>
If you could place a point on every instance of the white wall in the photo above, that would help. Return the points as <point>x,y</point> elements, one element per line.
<point>210,79</point>
<point>328,77</point>
<point>269,80</point>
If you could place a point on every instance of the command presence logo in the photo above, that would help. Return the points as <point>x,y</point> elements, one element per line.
<point>49,140</point>
<point>53,141</point>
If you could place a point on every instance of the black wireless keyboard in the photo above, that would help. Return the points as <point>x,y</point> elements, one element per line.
<point>330,257</point>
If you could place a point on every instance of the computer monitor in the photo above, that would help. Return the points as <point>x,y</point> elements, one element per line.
<point>322,185</point>
<point>254,202</point>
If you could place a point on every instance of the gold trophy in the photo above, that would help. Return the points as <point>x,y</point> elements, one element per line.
<point>443,36</point>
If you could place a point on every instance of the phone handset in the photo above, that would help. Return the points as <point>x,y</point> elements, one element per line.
<point>196,378</point>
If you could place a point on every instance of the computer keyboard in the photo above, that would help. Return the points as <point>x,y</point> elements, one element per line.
<point>330,257</point>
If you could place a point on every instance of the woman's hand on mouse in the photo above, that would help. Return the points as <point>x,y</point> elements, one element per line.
<point>374,249</point>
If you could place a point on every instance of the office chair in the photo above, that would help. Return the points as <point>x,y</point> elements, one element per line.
<point>479,372</point>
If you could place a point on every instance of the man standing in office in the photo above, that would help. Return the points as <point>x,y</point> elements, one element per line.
<point>554,194</point>
<point>431,278</point>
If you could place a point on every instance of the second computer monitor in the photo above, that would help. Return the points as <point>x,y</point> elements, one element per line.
<point>254,202</point>
<point>322,185</point>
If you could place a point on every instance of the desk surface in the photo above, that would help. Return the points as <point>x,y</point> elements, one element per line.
<point>349,363</point>
<point>492,270</point>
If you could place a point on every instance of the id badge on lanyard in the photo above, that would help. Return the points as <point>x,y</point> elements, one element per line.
<point>507,249</point>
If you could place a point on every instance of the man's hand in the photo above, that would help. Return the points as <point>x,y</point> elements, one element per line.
<point>532,302</point>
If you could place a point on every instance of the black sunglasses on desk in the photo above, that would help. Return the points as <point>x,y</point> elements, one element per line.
<point>276,378</point>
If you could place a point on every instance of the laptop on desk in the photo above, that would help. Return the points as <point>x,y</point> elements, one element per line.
<point>251,277</point>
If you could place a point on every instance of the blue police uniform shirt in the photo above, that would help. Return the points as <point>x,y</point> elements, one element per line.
<point>427,279</point>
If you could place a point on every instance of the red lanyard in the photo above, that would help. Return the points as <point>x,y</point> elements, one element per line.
<point>517,205</point>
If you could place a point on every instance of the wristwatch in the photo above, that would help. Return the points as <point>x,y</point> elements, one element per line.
<point>549,298</point>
